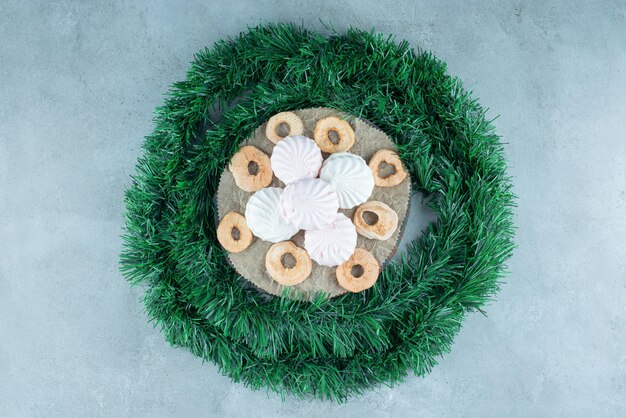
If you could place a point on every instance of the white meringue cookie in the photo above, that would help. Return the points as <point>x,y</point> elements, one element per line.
<point>295,158</point>
<point>333,243</point>
<point>263,216</point>
<point>309,203</point>
<point>350,176</point>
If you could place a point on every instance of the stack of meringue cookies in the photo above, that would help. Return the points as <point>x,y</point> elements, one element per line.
<point>315,189</point>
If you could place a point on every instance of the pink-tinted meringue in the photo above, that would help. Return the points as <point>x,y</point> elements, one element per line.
<point>333,243</point>
<point>309,203</point>
<point>295,158</point>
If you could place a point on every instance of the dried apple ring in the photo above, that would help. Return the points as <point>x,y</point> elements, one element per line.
<point>375,220</point>
<point>343,130</point>
<point>360,272</point>
<point>233,232</point>
<point>279,268</point>
<point>390,158</point>
<point>291,120</point>
<point>251,169</point>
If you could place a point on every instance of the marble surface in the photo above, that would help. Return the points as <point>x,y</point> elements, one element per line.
<point>79,81</point>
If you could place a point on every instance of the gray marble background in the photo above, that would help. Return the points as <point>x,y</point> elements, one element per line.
<point>78,83</point>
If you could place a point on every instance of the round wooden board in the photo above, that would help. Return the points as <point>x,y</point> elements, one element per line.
<point>250,263</point>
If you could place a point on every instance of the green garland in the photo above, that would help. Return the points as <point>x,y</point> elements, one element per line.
<point>335,348</point>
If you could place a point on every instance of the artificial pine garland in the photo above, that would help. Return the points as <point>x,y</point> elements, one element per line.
<point>328,348</point>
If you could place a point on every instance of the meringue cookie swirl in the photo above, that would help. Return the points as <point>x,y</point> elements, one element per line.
<point>295,158</point>
<point>332,244</point>
<point>309,203</point>
<point>350,176</point>
<point>264,218</point>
